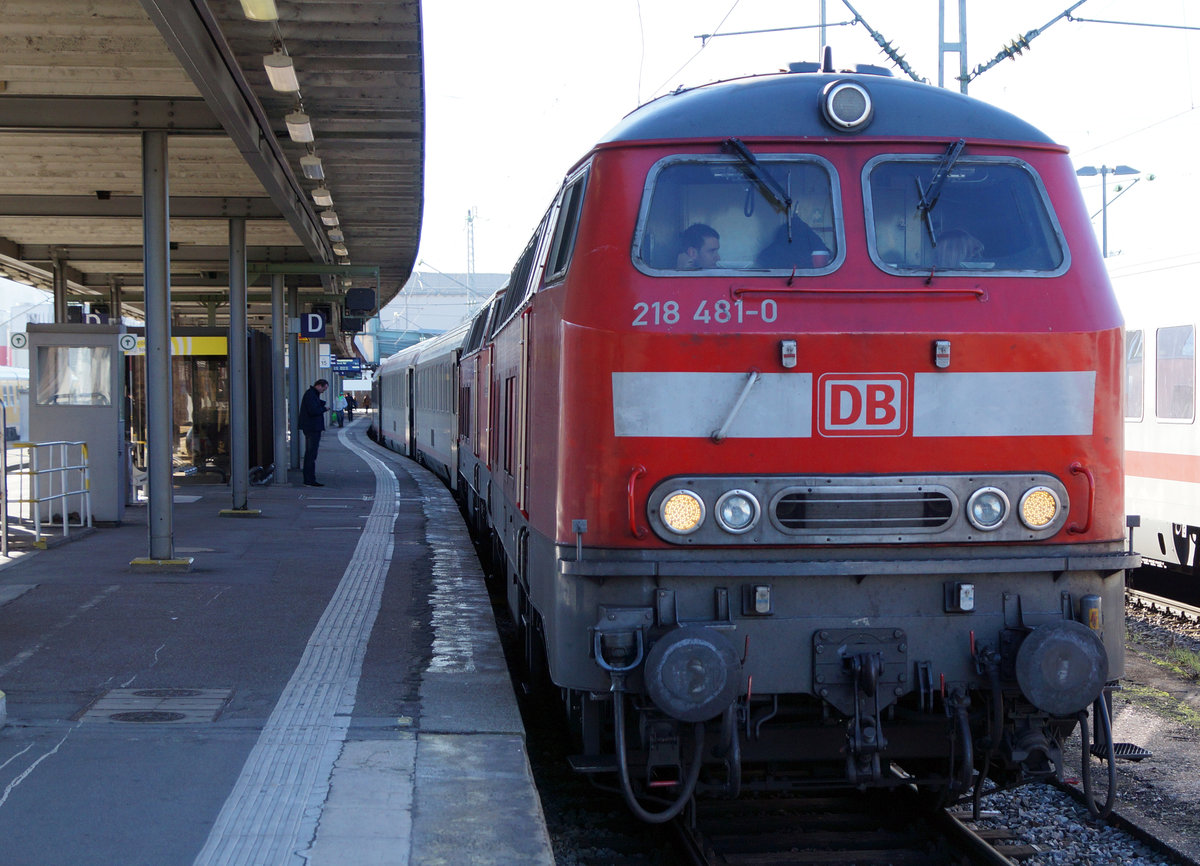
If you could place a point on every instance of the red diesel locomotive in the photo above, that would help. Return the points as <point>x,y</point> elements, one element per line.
<point>797,433</point>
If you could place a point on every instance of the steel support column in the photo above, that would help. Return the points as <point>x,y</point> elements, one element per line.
<point>279,420</point>
<point>295,376</point>
<point>60,288</point>
<point>114,300</point>
<point>160,448</point>
<point>239,401</point>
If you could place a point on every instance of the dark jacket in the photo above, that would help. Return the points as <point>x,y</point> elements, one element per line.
<point>312,411</point>
<point>797,252</point>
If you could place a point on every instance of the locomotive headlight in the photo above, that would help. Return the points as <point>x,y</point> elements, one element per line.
<point>682,511</point>
<point>987,508</point>
<point>737,511</point>
<point>1039,507</point>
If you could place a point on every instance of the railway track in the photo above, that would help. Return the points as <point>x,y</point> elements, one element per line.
<point>1159,604</point>
<point>876,828</point>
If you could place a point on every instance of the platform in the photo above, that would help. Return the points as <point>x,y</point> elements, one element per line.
<point>324,686</point>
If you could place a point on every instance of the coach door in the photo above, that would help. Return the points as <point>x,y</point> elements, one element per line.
<point>410,413</point>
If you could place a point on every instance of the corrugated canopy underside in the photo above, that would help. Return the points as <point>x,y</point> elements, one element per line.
<point>81,80</point>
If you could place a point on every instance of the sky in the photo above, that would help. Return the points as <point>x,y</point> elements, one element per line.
<point>518,92</point>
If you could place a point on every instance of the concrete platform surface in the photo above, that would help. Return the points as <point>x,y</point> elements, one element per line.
<point>325,685</point>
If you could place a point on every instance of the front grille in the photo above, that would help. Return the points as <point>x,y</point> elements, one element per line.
<point>878,510</point>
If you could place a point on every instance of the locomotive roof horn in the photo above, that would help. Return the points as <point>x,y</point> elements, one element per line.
<point>847,106</point>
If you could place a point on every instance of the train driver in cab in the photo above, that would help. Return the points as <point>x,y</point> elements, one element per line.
<point>699,248</point>
<point>956,249</point>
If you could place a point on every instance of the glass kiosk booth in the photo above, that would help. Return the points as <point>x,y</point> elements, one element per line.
<point>76,395</point>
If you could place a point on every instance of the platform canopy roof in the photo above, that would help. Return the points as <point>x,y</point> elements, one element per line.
<point>81,80</point>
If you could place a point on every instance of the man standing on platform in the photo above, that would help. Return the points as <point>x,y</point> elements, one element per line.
<point>312,422</point>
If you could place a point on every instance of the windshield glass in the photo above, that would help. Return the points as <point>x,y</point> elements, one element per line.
<point>721,213</point>
<point>991,216</point>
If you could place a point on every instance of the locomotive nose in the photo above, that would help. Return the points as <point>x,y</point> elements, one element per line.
<point>1062,667</point>
<point>693,673</point>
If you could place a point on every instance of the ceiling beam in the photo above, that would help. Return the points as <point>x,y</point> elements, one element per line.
<point>182,207</point>
<point>111,114</point>
<point>181,254</point>
<point>137,293</point>
<point>132,281</point>
<point>330,270</point>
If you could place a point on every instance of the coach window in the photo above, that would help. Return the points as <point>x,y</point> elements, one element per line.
<point>1134,350</point>
<point>777,214</point>
<point>1175,373</point>
<point>986,216</point>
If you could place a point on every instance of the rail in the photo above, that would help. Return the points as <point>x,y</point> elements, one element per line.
<point>51,481</point>
<point>1159,604</point>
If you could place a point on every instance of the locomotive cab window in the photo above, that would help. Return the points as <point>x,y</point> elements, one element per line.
<point>980,215</point>
<point>720,213</point>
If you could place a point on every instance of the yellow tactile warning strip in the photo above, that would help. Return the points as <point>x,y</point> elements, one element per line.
<point>158,706</point>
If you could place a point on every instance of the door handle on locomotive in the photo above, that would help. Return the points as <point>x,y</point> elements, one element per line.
<point>1078,468</point>
<point>634,474</point>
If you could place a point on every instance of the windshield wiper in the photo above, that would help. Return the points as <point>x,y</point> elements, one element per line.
<point>762,177</point>
<point>929,197</point>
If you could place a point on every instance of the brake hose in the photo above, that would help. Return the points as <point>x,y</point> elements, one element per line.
<point>994,734</point>
<point>689,786</point>
<point>1101,708</point>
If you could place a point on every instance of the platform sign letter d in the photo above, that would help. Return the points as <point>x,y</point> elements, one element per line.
<point>312,325</point>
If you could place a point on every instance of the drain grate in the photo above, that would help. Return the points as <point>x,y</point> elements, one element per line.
<point>148,716</point>
<point>1123,751</point>
<point>167,693</point>
<point>158,706</point>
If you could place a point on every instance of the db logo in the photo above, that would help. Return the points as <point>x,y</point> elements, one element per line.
<point>863,404</point>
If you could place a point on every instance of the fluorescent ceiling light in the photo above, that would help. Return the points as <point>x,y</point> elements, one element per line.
<point>311,167</point>
<point>337,236</point>
<point>322,197</point>
<point>329,217</point>
<point>298,126</point>
<point>281,72</point>
<point>260,10</point>
<point>340,249</point>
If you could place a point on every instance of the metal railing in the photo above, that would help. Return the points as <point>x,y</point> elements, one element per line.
<point>137,470</point>
<point>3,480</point>
<point>51,481</point>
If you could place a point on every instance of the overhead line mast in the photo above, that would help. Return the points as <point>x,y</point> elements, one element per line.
<point>471,215</point>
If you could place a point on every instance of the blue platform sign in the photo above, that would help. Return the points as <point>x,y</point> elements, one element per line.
<point>346,365</point>
<point>312,325</point>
